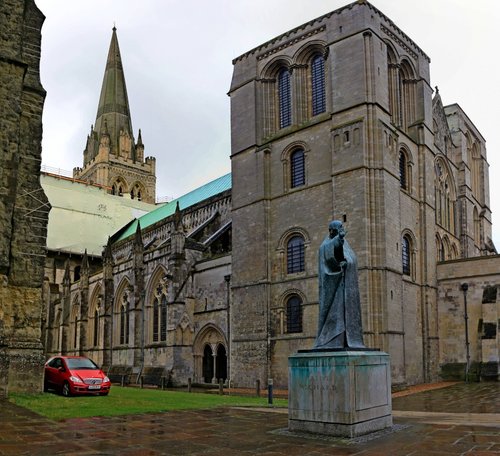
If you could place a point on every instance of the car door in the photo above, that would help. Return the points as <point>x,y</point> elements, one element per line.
<point>54,375</point>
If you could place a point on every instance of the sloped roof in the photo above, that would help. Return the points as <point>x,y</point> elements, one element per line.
<point>206,191</point>
<point>83,215</point>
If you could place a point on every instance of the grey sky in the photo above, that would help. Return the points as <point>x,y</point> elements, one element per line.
<point>177,60</point>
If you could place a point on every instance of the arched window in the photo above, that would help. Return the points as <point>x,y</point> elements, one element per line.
<point>406,254</point>
<point>294,314</point>
<point>163,319</point>
<point>403,175</point>
<point>295,254</point>
<point>159,310</point>
<point>124,321</point>
<point>284,98</point>
<point>297,168</point>
<point>445,197</point>
<point>156,319</point>
<point>318,99</point>
<point>137,192</point>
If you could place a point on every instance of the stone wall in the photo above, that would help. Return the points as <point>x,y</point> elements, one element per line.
<point>23,204</point>
<point>482,276</point>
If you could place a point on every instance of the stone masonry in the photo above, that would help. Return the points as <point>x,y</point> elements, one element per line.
<point>23,204</point>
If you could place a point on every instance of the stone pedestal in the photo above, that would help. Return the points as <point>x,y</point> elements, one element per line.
<point>341,393</point>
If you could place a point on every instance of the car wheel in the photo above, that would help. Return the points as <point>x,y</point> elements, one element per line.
<point>66,391</point>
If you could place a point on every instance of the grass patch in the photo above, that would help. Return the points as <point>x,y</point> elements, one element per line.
<point>128,401</point>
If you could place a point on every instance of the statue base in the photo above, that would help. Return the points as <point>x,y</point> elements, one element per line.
<point>341,393</point>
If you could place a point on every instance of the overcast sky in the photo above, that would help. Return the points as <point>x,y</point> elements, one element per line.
<point>177,60</point>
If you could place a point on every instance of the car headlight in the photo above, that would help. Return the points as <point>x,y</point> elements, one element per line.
<point>75,379</point>
<point>106,380</point>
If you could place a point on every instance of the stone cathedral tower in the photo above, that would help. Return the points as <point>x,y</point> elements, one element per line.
<point>112,157</point>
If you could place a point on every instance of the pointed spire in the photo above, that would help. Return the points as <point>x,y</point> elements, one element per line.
<point>138,234</point>
<point>85,262</point>
<point>67,276</point>
<point>113,108</point>
<point>177,217</point>
<point>139,139</point>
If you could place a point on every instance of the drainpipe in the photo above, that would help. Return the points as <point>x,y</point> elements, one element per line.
<point>227,279</point>
<point>465,287</point>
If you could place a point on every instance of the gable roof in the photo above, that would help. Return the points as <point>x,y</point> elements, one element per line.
<point>195,196</point>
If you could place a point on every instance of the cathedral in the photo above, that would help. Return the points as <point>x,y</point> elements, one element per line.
<point>335,119</point>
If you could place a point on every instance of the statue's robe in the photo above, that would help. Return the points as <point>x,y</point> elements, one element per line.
<point>339,323</point>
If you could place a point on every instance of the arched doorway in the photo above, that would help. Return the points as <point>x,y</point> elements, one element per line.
<point>210,355</point>
<point>221,363</point>
<point>208,364</point>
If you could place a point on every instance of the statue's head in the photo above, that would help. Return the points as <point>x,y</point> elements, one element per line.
<point>335,227</point>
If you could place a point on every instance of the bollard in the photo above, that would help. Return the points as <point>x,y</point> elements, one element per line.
<point>221,384</point>
<point>189,384</point>
<point>270,391</point>
<point>163,383</point>
<point>123,380</point>
<point>257,387</point>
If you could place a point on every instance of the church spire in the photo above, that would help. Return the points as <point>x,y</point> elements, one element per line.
<point>113,108</point>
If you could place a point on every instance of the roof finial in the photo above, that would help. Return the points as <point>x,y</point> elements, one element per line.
<point>114,26</point>
<point>437,90</point>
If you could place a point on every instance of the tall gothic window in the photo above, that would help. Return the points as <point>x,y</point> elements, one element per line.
<point>294,314</point>
<point>445,197</point>
<point>159,329</point>
<point>406,254</point>
<point>295,254</point>
<point>297,168</point>
<point>284,98</point>
<point>124,321</point>
<point>318,85</point>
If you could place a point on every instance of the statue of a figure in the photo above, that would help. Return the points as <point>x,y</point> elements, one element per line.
<point>339,324</point>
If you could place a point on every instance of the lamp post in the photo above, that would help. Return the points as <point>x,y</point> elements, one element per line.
<point>465,287</point>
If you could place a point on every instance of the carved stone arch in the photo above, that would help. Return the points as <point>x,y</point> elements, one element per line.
<point>447,174</point>
<point>310,49</point>
<point>285,155</point>
<point>407,67</point>
<point>393,57</point>
<point>439,248</point>
<point>295,172</point>
<point>291,232</point>
<point>405,165</point>
<point>157,306</point>
<point>96,308</point>
<point>138,191</point>
<point>270,71</point>
<point>446,247</point>
<point>95,302</point>
<point>124,287</point>
<point>413,249</point>
<point>206,343</point>
<point>119,186</point>
<point>159,275</point>
<point>291,311</point>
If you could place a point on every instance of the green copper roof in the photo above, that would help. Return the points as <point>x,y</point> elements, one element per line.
<point>189,199</point>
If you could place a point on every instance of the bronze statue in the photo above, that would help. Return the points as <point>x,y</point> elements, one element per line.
<point>339,323</point>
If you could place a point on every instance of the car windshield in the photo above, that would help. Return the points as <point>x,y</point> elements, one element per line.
<point>80,363</point>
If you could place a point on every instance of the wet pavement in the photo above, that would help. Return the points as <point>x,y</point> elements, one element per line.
<point>463,419</point>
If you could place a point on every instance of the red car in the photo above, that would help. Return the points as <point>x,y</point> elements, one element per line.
<point>75,375</point>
